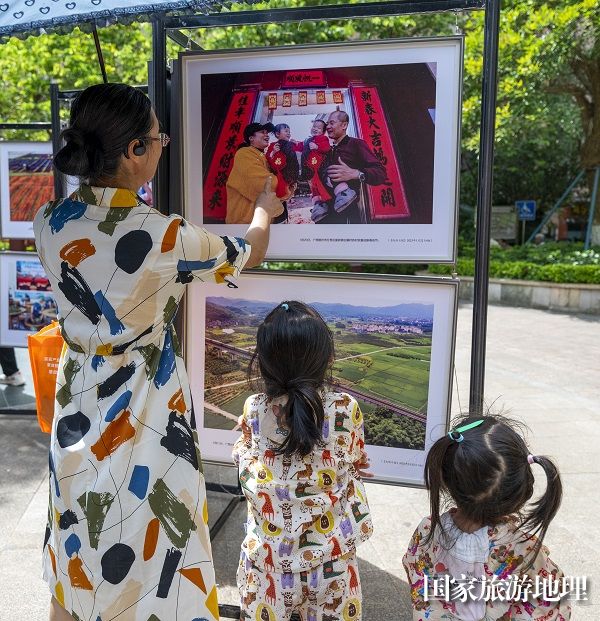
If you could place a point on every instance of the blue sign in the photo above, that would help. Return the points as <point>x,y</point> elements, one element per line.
<point>526,209</point>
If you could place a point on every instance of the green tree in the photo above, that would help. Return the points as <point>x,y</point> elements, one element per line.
<point>548,121</point>
<point>27,66</point>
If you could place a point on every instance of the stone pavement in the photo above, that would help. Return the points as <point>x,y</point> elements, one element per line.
<point>542,367</point>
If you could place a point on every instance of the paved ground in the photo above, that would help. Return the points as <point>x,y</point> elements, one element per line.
<point>543,367</point>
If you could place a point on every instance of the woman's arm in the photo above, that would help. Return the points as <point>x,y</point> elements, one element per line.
<point>267,206</point>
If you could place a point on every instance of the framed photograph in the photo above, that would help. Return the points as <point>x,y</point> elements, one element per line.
<point>26,300</point>
<point>26,183</point>
<point>361,141</point>
<point>394,341</point>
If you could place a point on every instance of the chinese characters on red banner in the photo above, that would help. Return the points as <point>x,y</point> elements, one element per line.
<point>389,200</point>
<point>304,78</point>
<point>238,116</point>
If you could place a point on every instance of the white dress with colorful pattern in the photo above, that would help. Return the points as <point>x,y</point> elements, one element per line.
<point>127,534</point>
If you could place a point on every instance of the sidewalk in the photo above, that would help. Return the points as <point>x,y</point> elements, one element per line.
<point>542,367</point>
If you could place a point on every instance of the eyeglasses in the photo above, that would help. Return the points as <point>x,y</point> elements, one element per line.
<point>164,139</point>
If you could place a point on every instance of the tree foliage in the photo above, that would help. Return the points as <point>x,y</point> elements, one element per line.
<point>28,66</point>
<point>548,119</point>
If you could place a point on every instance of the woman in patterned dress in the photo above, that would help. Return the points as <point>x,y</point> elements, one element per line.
<point>127,534</point>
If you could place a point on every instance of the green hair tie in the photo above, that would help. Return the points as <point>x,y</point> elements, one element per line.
<point>457,434</point>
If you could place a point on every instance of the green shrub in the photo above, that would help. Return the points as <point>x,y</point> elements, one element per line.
<point>526,270</point>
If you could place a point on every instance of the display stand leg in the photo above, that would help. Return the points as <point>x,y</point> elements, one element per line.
<point>238,497</point>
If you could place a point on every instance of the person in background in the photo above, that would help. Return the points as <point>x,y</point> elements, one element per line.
<point>11,374</point>
<point>350,162</point>
<point>248,175</point>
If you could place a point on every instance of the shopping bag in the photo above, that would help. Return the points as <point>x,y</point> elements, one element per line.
<point>45,348</point>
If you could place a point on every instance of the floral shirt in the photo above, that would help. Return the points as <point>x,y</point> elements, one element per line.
<point>480,559</point>
<point>302,512</point>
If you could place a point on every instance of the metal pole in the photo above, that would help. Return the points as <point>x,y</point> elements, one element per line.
<point>317,12</point>
<point>35,125</point>
<point>99,54</point>
<point>590,224</point>
<point>557,206</point>
<point>55,121</point>
<point>158,90</point>
<point>484,204</point>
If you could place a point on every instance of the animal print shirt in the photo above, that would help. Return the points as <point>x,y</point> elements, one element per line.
<point>302,512</point>
<point>471,564</point>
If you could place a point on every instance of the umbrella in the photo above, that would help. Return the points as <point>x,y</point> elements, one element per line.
<point>22,18</point>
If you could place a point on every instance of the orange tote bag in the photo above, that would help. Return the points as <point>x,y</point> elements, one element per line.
<point>45,348</point>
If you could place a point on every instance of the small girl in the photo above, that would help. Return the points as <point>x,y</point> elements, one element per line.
<point>300,458</point>
<point>314,152</point>
<point>282,159</point>
<point>454,560</point>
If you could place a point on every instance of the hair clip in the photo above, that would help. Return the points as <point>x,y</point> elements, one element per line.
<point>456,434</point>
<point>531,459</point>
<point>286,307</point>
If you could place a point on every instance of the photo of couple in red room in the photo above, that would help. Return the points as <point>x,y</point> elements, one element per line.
<point>342,145</point>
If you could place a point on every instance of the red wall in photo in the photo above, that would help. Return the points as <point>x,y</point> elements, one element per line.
<point>231,135</point>
<point>389,200</point>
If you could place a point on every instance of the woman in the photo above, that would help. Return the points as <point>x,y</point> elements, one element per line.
<point>248,175</point>
<point>127,535</point>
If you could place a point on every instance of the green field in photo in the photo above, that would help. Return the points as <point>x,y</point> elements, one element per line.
<point>379,364</point>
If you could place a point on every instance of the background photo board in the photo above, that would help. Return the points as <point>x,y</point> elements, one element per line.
<point>403,102</point>
<point>26,183</point>
<point>394,339</point>
<point>26,300</point>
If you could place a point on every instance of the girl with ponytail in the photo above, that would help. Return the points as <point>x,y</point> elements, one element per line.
<point>482,473</point>
<point>301,460</point>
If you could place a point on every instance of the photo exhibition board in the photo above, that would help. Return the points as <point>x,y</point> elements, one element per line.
<point>26,301</point>
<point>394,341</point>
<point>365,156</point>
<point>26,183</point>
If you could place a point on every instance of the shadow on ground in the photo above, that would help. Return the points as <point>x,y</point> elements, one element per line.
<point>23,454</point>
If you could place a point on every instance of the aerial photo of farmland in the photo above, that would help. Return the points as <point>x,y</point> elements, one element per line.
<point>382,359</point>
<point>31,183</point>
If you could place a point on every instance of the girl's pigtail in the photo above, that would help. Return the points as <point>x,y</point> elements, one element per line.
<point>538,519</point>
<point>303,415</point>
<point>434,481</point>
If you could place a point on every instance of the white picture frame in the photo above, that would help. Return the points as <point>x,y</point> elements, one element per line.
<point>421,161</point>
<point>26,301</point>
<point>24,187</point>
<point>422,372</point>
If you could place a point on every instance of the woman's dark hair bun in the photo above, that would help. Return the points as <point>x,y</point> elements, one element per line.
<point>82,155</point>
<point>105,119</point>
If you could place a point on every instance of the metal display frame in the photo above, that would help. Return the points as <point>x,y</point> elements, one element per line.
<point>166,198</point>
<point>172,27</point>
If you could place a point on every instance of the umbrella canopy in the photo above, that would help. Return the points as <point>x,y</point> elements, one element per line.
<point>22,18</point>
